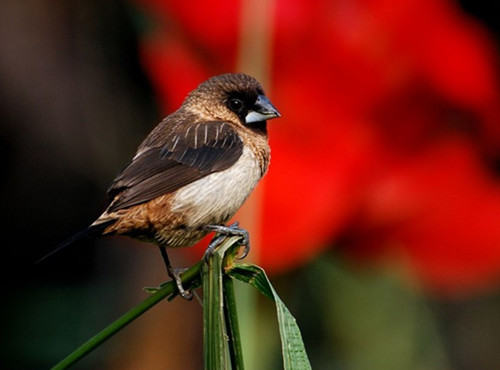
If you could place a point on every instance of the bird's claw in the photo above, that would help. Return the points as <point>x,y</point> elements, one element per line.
<point>246,250</point>
<point>212,246</point>
<point>176,276</point>
<point>223,231</point>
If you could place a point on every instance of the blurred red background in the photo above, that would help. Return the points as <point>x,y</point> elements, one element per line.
<point>390,131</point>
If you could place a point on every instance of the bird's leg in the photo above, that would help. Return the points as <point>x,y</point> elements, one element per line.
<point>186,294</point>
<point>231,230</point>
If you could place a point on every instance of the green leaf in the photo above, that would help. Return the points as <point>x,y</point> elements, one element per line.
<point>233,330</point>
<point>292,346</point>
<point>214,333</point>
<point>213,314</point>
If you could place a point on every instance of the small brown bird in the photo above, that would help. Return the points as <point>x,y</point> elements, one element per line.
<point>194,170</point>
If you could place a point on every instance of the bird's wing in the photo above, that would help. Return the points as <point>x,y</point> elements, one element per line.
<point>190,153</point>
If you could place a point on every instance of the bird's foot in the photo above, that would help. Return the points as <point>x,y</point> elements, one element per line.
<point>223,231</point>
<point>175,274</point>
<point>155,289</point>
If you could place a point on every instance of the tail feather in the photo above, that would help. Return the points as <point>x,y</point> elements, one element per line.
<point>91,231</point>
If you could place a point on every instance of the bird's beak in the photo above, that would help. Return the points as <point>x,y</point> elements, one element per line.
<point>262,111</point>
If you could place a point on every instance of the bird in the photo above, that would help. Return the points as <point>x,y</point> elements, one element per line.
<point>193,171</point>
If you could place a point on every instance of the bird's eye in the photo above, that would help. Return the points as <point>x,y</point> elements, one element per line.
<point>236,105</point>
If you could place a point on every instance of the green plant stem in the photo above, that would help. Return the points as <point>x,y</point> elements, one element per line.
<point>190,280</point>
<point>213,317</point>
<point>214,323</point>
<point>232,327</point>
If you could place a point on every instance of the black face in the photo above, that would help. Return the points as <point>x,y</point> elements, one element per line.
<point>241,102</point>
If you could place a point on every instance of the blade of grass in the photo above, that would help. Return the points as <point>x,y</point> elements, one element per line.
<point>231,317</point>
<point>190,280</point>
<point>214,332</point>
<point>213,318</point>
<point>292,346</point>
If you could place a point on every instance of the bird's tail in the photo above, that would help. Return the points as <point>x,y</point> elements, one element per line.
<point>91,231</point>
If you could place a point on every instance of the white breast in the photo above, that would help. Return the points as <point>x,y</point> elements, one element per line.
<point>216,197</point>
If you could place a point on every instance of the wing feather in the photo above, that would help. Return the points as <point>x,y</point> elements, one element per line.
<point>188,155</point>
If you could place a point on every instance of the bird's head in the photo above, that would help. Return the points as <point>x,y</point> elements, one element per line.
<point>234,97</point>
